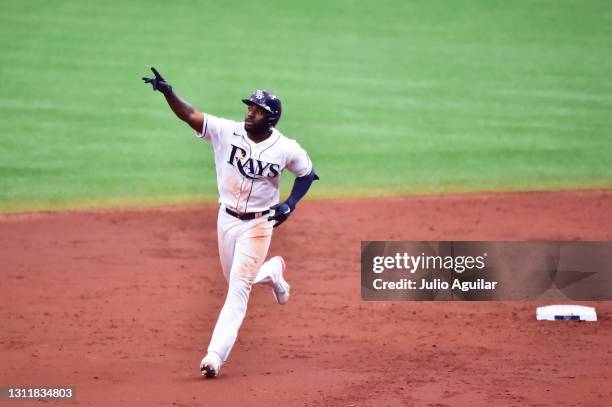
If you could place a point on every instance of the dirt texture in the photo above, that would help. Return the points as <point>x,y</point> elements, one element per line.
<point>120,304</point>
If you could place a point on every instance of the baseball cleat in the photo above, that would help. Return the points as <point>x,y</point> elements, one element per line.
<point>210,365</point>
<point>281,287</point>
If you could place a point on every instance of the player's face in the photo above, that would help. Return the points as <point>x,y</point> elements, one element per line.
<point>255,119</point>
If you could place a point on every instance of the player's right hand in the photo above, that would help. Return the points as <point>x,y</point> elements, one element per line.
<point>158,83</point>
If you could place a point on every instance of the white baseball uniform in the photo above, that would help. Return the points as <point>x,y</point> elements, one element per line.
<point>248,179</point>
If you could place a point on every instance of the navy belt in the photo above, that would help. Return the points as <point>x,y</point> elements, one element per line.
<point>246,216</point>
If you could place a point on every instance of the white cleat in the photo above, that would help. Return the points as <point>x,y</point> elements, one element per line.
<point>210,365</point>
<point>281,287</point>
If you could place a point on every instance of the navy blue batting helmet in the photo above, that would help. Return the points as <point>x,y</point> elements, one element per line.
<point>268,102</point>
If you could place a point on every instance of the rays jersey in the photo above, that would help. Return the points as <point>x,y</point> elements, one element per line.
<point>249,173</point>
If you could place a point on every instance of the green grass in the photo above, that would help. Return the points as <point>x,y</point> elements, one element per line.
<point>389,98</point>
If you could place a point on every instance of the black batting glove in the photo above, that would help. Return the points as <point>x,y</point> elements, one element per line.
<point>282,211</point>
<point>158,83</point>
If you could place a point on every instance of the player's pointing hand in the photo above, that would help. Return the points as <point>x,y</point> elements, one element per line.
<point>282,211</point>
<point>158,83</point>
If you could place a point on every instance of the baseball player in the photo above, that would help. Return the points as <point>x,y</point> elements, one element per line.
<point>249,159</point>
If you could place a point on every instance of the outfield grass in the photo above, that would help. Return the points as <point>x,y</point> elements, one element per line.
<point>389,97</point>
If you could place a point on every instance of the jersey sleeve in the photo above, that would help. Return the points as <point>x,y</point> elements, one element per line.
<point>299,163</point>
<point>212,129</point>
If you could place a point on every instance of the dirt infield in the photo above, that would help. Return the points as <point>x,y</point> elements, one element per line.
<point>121,304</point>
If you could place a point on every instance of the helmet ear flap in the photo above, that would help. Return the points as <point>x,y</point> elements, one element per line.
<point>273,119</point>
<point>274,104</point>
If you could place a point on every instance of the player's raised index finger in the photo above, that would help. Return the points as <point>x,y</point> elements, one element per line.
<point>157,74</point>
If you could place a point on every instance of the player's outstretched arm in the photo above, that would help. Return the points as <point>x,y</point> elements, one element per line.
<point>185,111</point>
<point>180,107</point>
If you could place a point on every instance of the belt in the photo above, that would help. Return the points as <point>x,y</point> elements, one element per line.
<point>246,216</point>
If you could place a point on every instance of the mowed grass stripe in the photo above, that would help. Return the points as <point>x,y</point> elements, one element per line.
<point>388,98</point>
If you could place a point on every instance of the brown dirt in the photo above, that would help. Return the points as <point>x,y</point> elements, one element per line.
<point>121,304</point>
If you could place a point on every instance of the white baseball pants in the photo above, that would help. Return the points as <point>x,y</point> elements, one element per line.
<point>243,246</point>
